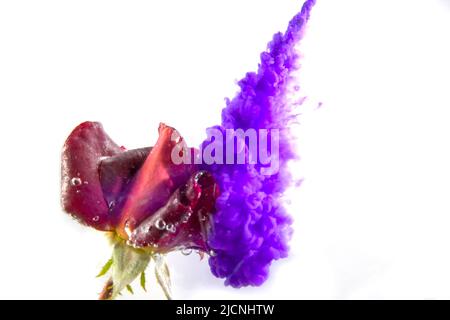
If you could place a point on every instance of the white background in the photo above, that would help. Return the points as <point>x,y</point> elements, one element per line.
<point>372,217</point>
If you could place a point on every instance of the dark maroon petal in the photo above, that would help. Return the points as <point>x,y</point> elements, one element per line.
<point>117,172</point>
<point>184,221</point>
<point>81,192</point>
<point>154,183</point>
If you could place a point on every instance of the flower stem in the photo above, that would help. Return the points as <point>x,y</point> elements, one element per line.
<point>107,291</point>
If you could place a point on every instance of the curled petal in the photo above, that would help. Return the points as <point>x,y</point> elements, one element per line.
<point>184,221</point>
<point>81,192</point>
<point>116,174</point>
<point>155,182</point>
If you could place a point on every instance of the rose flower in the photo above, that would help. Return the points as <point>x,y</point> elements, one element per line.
<point>146,202</point>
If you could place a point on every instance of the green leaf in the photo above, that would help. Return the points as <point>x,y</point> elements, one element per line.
<point>105,268</point>
<point>130,289</point>
<point>143,281</point>
<point>163,275</point>
<point>128,264</point>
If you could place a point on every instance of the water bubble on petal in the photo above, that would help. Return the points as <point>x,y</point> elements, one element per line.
<point>160,224</point>
<point>75,181</point>
<point>132,244</point>
<point>185,217</point>
<point>127,229</point>
<point>171,228</point>
<point>111,204</point>
<point>186,251</point>
<point>96,218</point>
<point>212,253</point>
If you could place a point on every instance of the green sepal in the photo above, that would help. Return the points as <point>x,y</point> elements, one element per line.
<point>163,275</point>
<point>128,264</point>
<point>105,268</point>
<point>130,289</point>
<point>143,281</point>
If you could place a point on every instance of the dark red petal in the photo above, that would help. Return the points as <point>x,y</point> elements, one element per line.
<point>155,182</point>
<point>81,192</point>
<point>183,222</point>
<point>117,172</point>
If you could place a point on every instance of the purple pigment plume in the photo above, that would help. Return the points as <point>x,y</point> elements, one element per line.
<point>251,226</point>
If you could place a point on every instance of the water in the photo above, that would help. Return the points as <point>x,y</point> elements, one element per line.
<point>186,251</point>
<point>171,228</point>
<point>185,217</point>
<point>160,224</point>
<point>76,181</point>
<point>127,229</point>
<point>212,253</point>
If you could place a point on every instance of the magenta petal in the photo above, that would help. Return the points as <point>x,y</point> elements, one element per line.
<point>81,192</point>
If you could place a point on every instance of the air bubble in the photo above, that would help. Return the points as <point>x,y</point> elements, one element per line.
<point>127,229</point>
<point>212,253</point>
<point>160,224</point>
<point>171,228</point>
<point>185,217</point>
<point>76,181</point>
<point>186,251</point>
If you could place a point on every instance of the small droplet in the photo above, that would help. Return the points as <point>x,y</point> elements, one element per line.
<point>178,139</point>
<point>111,204</point>
<point>171,228</point>
<point>160,224</point>
<point>127,229</point>
<point>96,218</point>
<point>85,182</point>
<point>185,217</point>
<point>212,253</point>
<point>186,251</point>
<point>76,181</point>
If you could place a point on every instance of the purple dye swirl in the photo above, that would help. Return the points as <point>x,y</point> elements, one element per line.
<point>251,226</point>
